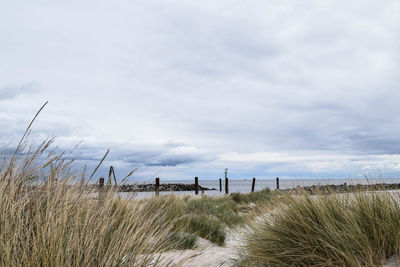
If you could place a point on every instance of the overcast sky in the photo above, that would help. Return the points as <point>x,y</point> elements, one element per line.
<point>292,88</point>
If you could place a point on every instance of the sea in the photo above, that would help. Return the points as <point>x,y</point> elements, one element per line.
<point>244,185</point>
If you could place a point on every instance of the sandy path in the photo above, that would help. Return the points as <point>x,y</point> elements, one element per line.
<point>207,254</point>
<point>392,261</point>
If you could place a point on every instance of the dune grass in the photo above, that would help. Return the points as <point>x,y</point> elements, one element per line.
<point>262,196</point>
<point>191,216</point>
<point>47,219</point>
<point>356,229</point>
<point>207,217</point>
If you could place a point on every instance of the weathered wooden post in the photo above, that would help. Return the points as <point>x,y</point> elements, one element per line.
<point>101,183</point>
<point>253,184</point>
<point>226,182</point>
<point>109,178</point>
<point>196,185</point>
<point>157,186</point>
<point>111,172</point>
<point>102,192</point>
<point>220,185</point>
<point>277,183</point>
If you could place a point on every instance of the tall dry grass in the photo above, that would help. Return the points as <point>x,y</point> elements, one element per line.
<point>48,218</point>
<point>356,229</point>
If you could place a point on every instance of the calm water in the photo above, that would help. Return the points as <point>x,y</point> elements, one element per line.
<point>244,186</point>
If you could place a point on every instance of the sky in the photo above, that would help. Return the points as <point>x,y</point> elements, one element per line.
<point>290,88</point>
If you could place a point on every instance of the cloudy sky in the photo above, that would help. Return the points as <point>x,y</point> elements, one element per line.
<point>292,88</point>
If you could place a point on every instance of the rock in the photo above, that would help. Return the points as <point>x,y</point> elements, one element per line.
<point>347,188</point>
<point>163,187</point>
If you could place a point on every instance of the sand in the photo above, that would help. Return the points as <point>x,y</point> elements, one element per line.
<point>206,254</point>
<point>392,261</point>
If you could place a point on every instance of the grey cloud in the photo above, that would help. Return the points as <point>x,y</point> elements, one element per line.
<point>11,91</point>
<point>140,155</point>
<point>171,161</point>
<point>371,144</point>
<point>160,158</point>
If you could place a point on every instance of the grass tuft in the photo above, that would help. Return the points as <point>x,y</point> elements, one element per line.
<point>46,219</point>
<point>207,227</point>
<point>357,229</point>
<point>264,195</point>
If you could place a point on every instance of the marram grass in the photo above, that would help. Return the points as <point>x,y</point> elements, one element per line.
<point>57,223</point>
<point>208,217</point>
<point>356,229</point>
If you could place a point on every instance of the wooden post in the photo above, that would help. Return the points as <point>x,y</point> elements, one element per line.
<point>111,172</point>
<point>196,185</point>
<point>109,178</point>
<point>277,183</point>
<point>220,185</point>
<point>253,184</point>
<point>157,186</point>
<point>102,192</point>
<point>101,183</point>
<point>226,186</point>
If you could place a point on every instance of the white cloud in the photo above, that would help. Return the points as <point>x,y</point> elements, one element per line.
<point>244,78</point>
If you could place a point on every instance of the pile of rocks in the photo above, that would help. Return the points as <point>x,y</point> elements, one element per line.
<point>346,188</point>
<point>163,187</point>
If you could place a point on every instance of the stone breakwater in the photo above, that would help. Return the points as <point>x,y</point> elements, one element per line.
<point>345,188</point>
<point>163,187</point>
